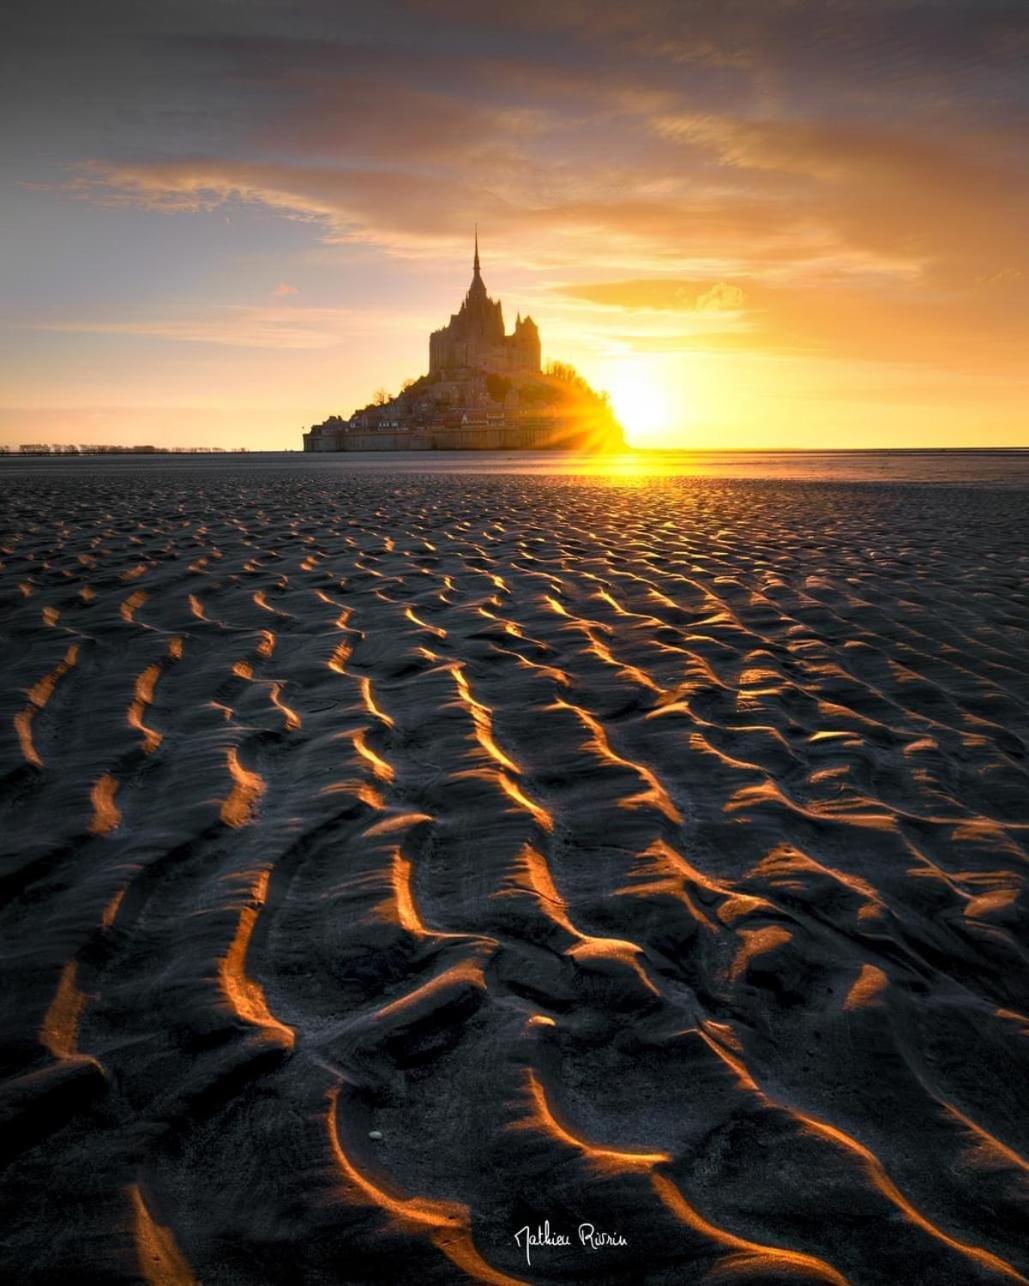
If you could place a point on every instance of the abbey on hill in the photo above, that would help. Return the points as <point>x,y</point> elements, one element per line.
<point>485,390</point>
<point>474,338</point>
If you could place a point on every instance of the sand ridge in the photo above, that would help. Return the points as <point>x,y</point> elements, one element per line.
<point>651,855</point>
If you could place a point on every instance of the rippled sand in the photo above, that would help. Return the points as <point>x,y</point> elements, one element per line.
<point>649,856</point>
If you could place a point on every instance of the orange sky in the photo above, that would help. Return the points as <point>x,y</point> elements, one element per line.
<point>761,223</point>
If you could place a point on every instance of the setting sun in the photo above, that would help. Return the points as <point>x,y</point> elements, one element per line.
<point>641,400</point>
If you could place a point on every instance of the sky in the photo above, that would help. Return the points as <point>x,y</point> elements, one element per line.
<point>756,223</point>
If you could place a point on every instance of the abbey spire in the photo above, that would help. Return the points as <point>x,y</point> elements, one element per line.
<point>475,338</point>
<point>477,290</point>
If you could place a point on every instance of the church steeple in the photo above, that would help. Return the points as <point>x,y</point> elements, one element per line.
<point>477,290</point>
<point>475,338</point>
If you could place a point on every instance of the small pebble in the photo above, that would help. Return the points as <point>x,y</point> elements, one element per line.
<point>375,1134</point>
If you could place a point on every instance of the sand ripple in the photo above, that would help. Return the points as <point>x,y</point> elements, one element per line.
<point>393,863</point>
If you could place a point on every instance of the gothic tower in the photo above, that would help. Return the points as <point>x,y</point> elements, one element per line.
<point>474,338</point>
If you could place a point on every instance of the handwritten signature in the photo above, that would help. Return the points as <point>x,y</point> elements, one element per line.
<point>589,1236</point>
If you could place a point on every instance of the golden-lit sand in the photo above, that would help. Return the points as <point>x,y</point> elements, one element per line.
<point>396,863</point>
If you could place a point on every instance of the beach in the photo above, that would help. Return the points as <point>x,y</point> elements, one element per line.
<point>404,870</point>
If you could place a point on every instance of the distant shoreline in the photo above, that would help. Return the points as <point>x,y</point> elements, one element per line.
<point>104,452</point>
<point>971,468</point>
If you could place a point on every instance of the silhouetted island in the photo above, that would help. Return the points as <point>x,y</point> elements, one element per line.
<point>485,390</point>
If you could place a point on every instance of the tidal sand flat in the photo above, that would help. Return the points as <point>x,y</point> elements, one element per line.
<point>402,873</point>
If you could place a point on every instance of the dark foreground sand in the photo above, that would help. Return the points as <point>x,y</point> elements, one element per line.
<point>650,857</point>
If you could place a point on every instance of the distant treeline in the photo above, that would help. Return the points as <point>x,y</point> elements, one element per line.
<point>63,448</point>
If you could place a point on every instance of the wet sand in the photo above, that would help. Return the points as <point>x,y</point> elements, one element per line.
<point>394,864</point>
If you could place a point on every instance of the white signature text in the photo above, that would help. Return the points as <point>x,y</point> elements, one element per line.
<point>589,1236</point>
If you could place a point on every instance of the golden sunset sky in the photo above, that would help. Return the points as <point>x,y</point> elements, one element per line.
<point>757,223</point>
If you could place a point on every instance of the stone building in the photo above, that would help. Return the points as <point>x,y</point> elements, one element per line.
<point>474,338</point>
<point>484,390</point>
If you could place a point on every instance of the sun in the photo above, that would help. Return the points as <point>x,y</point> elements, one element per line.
<point>641,401</point>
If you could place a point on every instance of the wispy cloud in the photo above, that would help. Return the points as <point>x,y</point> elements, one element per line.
<point>242,326</point>
<point>830,179</point>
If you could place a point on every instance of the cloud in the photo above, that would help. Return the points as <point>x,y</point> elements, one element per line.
<point>364,116</point>
<point>581,136</point>
<point>957,201</point>
<point>426,216</point>
<point>381,207</point>
<point>981,328</point>
<point>242,326</point>
<point>661,294</point>
<point>721,297</point>
<point>824,178</point>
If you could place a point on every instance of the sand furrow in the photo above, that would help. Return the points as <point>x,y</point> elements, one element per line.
<point>394,864</point>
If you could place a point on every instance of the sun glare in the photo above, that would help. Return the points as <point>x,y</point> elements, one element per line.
<point>641,400</point>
